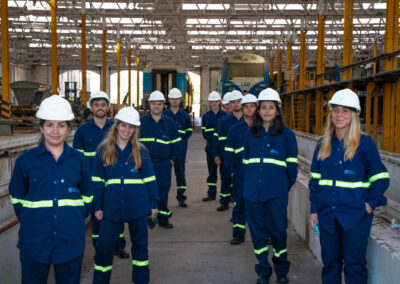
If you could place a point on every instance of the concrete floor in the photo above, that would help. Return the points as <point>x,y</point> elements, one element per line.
<point>197,250</point>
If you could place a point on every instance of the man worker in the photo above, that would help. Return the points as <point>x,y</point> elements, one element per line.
<point>184,125</point>
<point>160,135</point>
<point>87,137</point>
<point>226,104</point>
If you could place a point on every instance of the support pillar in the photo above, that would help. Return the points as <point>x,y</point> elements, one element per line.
<point>204,89</point>
<point>5,62</point>
<point>320,70</point>
<point>137,81</point>
<point>348,38</point>
<point>129,77</point>
<point>54,68</point>
<point>83,35</point>
<point>104,58</point>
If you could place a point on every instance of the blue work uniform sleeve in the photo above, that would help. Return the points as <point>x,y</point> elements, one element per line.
<point>149,178</point>
<point>98,181</point>
<point>86,186</point>
<point>315,176</point>
<point>176,143</point>
<point>229,153</point>
<point>291,158</point>
<point>222,136</point>
<point>189,128</point>
<point>378,176</point>
<point>18,187</point>
<point>204,127</point>
<point>78,141</point>
<point>215,142</point>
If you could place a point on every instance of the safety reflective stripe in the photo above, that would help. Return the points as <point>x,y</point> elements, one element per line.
<point>87,199</point>
<point>240,226</point>
<point>140,263</point>
<point>113,181</point>
<point>238,150</point>
<point>315,175</point>
<point>273,161</point>
<point>36,204</point>
<point>292,160</point>
<point>176,140</point>
<point>215,134</point>
<point>229,149</point>
<point>121,235</point>
<point>70,202</point>
<point>379,176</point>
<point>133,181</point>
<point>97,179</point>
<point>225,194</point>
<point>352,184</point>
<point>149,179</point>
<point>146,139</point>
<point>95,236</point>
<point>189,129</point>
<point>102,268</point>
<point>209,129</point>
<point>89,154</point>
<point>203,127</point>
<point>163,141</point>
<point>327,182</point>
<point>261,250</point>
<point>181,187</point>
<point>222,138</point>
<point>279,253</point>
<point>182,131</point>
<point>80,150</point>
<point>251,161</point>
<point>211,184</point>
<point>165,212</point>
<point>16,200</point>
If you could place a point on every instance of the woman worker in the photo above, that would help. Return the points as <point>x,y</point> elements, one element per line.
<point>347,183</point>
<point>50,191</point>
<point>270,159</point>
<point>128,194</point>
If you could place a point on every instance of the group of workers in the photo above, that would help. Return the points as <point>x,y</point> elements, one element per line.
<point>120,172</point>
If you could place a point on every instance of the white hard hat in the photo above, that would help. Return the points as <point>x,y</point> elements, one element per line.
<point>214,96</point>
<point>98,95</point>
<point>225,98</point>
<point>269,95</point>
<point>346,98</point>
<point>175,93</point>
<point>235,95</point>
<point>129,115</point>
<point>249,98</point>
<point>55,108</point>
<point>156,96</point>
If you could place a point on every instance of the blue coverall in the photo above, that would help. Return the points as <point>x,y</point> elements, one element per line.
<point>339,189</point>
<point>164,144</point>
<point>220,136</point>
<point>185,130</point>
<point>124,195</point>
<point>87,138</point>
<point>234,150</point>
<point>51,200</point>
<point>270,171</point>
<point>209,123</point>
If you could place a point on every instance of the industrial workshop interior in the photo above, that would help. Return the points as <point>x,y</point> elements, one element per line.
<point>200,142</point>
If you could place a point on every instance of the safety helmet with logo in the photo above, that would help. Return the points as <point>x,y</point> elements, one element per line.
<point>346,98</point>
<point>249,98</point>
<point>225,98</point>
<point>175,93</point>
<point>235,95</point>
<point>214,96</point>
<point>156,96</point>
<point>129,115</point>
<point>55,108</point>
<point>98,96</point>
<point>269,95</point>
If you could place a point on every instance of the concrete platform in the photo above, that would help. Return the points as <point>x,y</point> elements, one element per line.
<point>197,250</point>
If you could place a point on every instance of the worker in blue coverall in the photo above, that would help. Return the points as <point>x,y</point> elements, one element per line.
<point>347,183</point>
<point>234,150</point>
<point>185,129</point>
<point>160,135</point>
<point>208,124</point>
<point>270,158</point>
<point>220,136</point>
<point>126,193</point>
<point>87,138</point>
<point>50,190</point>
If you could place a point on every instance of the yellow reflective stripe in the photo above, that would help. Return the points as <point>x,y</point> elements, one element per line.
<point>162,141</point>
<point>238,150</point>
<point>121,235</point>
<point>89,154</point>
<point>113,181</point>
<point>379,176</point>
<point>16,200</point>
<point>165,212</point>
<point>240,226</point>
<point>189,129</point>
<point>181,187</point>
<point>203,127</point>
<point>176,140</point>
<point>209,129</point>
<point>216,134</point>
<point>273,161</point>
<point>292,160</point>
<point>229,149</point>
<point>251,161</point>
<point>278,254</point>
<point>80,150</point>
<point>211,184</point>
<point>327,182</point>
<point>133,181</point>
<point>102,268</point>
<point>222,138</point>
<point>140,263</point>
<point>95,236</point>
<point>37,204</point>
<point>97,179</point>
<point>315,175</point>
<point>352,184</point>
<point>182,131</point>
<point>261,250</point>
<point>146,139</point>
<point>224,194</point>
<point>87,199</point>
<point>70,202</point>
<point>149,179</point>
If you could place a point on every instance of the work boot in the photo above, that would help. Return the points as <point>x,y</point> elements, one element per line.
<point>236,241</point>
<point>223,207</point>
<point>121,253</point>
<point>182,202</point>
<point>282,279</point>
<point>209,198</point>
<point>263,279</point>
<point>166,225</point>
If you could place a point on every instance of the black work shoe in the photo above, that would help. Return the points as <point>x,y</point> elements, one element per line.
<point>209,198</point>
<point>223,207</point>
<point>236,241</point>
<point>121,253</point>
<point>282,279</point>
<point>166,225</point>
<point>182,203</point>
<point>263,279</point>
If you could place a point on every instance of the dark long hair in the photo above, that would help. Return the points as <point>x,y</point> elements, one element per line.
<point>277,122</point>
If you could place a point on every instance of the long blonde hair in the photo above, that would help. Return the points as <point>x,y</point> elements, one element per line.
<point>109,157</point>
<point>351,138</point>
